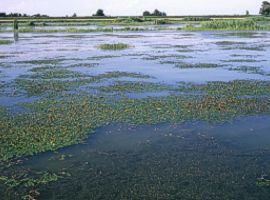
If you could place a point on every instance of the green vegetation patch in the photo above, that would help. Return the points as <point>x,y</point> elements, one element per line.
<point>264,181</point>
<point>197,65</point>
<point>241,60</point>
<point>127,86</point>
<point>42,62</point>
<point>57,123</point>
<point>250,69</point>
<point>243,24</point>
<point>118,74</point>
<point>237,88</point>
<point>54,80</point>
<point>116,46</point>
<point>229,43</point>
<point>2,42</point>
<point>57,74</point>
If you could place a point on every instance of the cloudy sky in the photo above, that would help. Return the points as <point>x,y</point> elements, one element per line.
<point>130,7</point>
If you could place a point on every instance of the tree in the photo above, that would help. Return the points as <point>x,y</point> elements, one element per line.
<point>74,15</point>
<point>99,13</point>
<point>3,14</point>
<point>247,13</point>
<point>158,13</point>
<point>146,13</point>
<point>265,8</point>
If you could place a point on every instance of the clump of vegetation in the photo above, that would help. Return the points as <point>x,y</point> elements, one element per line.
<point>196,19</point>
<point>237,88</point>
<point>116,46</point>
<point>227,25</point>
<point>55,81</point>
<point>42,62</point>
<point>264,181</point>
<point>127,86</point>
<point>250,69</point>
<point>197,65</point>
<point>129,20</point>
<point>2,42</point>
<point>26,182</point>
<point>54,123</point>
<point>31,23</point>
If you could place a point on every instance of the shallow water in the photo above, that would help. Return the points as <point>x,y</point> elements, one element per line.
<point>153,53</point>
<point>189,160</point>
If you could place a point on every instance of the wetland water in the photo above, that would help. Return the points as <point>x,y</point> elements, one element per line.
<point>177,115</point>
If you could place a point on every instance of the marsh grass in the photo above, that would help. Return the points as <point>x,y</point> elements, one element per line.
<point>243,24</point>
<point>116,46</point>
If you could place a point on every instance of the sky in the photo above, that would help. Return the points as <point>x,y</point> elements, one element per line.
<point>130,7</point>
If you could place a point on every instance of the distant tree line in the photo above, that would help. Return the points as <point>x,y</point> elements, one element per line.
<point>3,14</point>
<point>265,8</point>
<point>155,13</point>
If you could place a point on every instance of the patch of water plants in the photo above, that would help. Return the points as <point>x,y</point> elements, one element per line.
<point>24,184</point>
<point>116,46</point>
<point>263,181</point>
<point>42,62</point>
<point>55,80</point>
<point>250,69</point>
<point>197,65</point>
<point>3,42</point>
<point>57,122</point>
<point>128,86</point>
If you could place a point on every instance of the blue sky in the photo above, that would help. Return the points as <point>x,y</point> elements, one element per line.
<point>130,7</point>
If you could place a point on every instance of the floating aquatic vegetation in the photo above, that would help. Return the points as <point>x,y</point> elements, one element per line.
<point>229,43</point>
<point>117,46</point>
<point>235,88</point>
<point>42,62</point>
<point>25,182</point>
<point>263,181</point>
<point>197,65</point>
<point>242,60</point>
<point>83,65</point>
<point>118,74</point>
<point>3,42</point>
<point>250,69</point>
<point>52,80</point>
<point>57,74</point>
<point>57,123</point>
<point>128,86</point>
